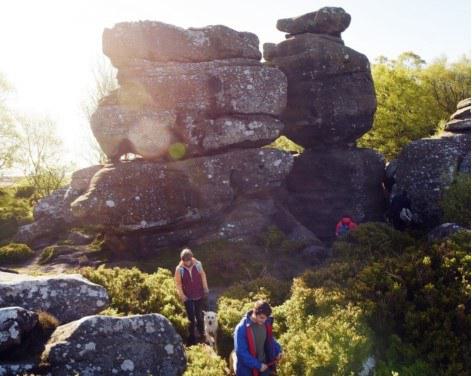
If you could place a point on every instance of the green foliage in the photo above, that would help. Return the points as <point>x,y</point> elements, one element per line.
<point>202,361</point>
<point>134,292</point>
<point>412,98</point>
<point>285,144</point>
<point>275,290</point>
<point>15,253</point>
<point>320,333</point>
<point>9,138</point>
<point>24,191</point>
<point>273,239</point>
<point>13,212</point>
<point>455,202</point>
<point>415,297</point>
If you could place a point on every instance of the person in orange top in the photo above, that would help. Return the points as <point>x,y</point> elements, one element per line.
<point>192,288</point>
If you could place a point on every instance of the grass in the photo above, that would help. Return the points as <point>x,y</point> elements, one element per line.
<point>14,212</point>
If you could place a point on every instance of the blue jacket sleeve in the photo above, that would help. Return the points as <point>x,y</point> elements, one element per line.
<point>277,347</point>
<point>242,350</point>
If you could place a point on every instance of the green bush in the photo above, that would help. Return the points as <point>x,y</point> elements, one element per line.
<point>24,191</point>
<point>134,292</point>
<point>202,361</point>
<point>455,202</point>
<point>320,333</point>
<point>15,253</point>
<point>13,213</point>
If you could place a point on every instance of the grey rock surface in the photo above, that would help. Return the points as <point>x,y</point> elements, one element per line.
<point>158,41</point>
<point>426,168</point>
<point>15,322</point>
<point>65,296</point>
<point>143,195</point>
<point>133,345</point>
<point>327,20</point>
<point>326,184</point>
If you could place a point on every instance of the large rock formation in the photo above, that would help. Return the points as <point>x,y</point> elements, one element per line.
<point>196,105</point>
<point>331,102</point>
<point>426,168</point>
<point>67,297</point>
<point>133,345</point>
<point>324,186</point>
<point>331,97</point>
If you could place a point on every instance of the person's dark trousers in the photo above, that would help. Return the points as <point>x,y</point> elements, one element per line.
<point>194,310</point>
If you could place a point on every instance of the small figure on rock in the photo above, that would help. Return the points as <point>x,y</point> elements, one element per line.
<point>256,350</point>
<point>399,213</point>
<point>345,225</point>
<point>192,288</point>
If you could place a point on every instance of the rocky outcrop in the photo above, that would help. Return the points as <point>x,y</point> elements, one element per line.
<point>327,20</point>
<point>158,41</point>
<point>199,90</point>
<point>178,192</point>
<point>133,345</point>
<point>426,168</point>
<point>331,96</point>
<point>15,322</point>
<point>52,214</point>
<point>325,185</point>
<point>459,121</point>
<point>330,103</point>
<point>67,297</point>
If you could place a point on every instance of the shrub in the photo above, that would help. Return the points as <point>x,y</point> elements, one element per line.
<point>24,191</point>
<point>134,292</point>
<point>15,253</point>
<point>320,333</point>
<point>13,213</point>
<point>202,361</point>
<point>455,202</point>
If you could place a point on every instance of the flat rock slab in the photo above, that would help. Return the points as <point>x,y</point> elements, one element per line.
<point>142,195</point>
<point>215,88</point>
<point>327,20</point>
<point>155,134</point>
<point>15,322</point>
<point>66,296</point>
<point>158,41</point>
<point>133,345</point>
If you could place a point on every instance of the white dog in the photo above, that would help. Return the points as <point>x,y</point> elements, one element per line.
<point>210,321</point>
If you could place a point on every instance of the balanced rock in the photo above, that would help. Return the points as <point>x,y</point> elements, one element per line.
<point>133,345</point>
<point>327,20</point>
<point>326,184</point>
<point>459,121</point>
<point>426,168</point>
<point>66,296</point>
<point>15,322</point>
<point>331,96</point>
<point>157,41</point>
<point>142,195</point>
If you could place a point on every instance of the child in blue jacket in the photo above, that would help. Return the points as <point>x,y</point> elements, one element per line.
<point>256,349</point>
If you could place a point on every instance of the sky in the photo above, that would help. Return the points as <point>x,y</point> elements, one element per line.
<point>50,48</point>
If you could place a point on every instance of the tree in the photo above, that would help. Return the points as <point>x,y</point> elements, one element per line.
<point>40,155</point>
<point>104,83</point>
<point>412,99</point>
<point>448,83</point>
<point>9,140</point>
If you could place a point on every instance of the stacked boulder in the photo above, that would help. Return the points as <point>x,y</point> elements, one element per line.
<point>196,105</point>
<point>331,103</point>
<point>426,168</point>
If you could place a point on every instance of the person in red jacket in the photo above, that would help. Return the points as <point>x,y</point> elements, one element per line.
<point>345,225</point>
